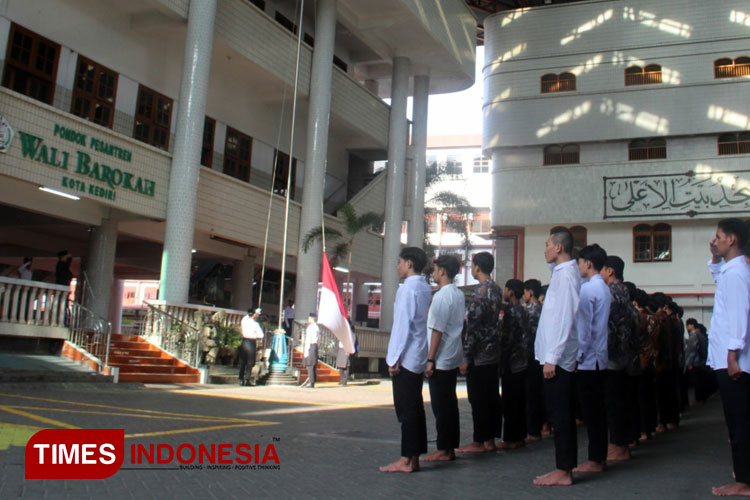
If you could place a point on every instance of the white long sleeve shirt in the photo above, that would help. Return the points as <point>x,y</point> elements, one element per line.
<point>592,322</point>
<point>730,323</point>
<point>556,339</point>
<point>251,329</point>
<point>408,342</point>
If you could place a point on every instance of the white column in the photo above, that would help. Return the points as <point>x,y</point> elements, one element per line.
<point>394,197</point>
<point>100,267</point>
<point>243,273</point>
<point>419,165</point>
<point>183,178</point>
<point>316,152</point>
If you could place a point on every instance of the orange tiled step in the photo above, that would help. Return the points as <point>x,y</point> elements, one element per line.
<point>160,378</point>
<point>139,361</point>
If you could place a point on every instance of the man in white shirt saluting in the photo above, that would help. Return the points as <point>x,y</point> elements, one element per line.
<point>555,348</point>
<point>729,346</point>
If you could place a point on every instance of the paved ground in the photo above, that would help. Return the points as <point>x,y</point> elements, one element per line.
<point>329,441</point>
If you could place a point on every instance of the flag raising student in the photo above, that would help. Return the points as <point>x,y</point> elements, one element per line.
<point>444,323</point>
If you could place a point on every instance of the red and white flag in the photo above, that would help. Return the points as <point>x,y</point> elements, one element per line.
<point>331,310</point>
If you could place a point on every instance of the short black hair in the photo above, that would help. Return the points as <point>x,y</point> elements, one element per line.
<point>416,256</point>
<point>616,264</point>
<point>484,261</point>
<point>448,263</point>
<point>641,298</point>
<point>657,300</point>
<point>516,286</point>
<point>594,254</point>
<point>702,328</point>
<point>736,227</point>
<point>564,238</point>
<point>543,290</point>
<point>534,285</point>
<point>631,288</point>
<point>692,321</point>
<point>26,259</point>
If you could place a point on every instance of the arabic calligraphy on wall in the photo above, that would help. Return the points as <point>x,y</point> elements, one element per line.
<point>688,194</point>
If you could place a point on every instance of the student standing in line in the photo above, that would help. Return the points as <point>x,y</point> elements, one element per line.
<point>555,348</point>
<point>534,393</point>
<point>482,357</point>
<point>729,346</point>
<point>592,327</point>
<point>407,358</point>
<point>445,322</point>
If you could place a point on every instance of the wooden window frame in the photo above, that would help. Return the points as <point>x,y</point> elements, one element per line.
<point>241,167</point>
<point>651,74</point>
<point>281,163</point>
<point>734,70</point>
<point>93,96</point>
<point>552,83</point>
<point>650,233</point>
<point>647,149</point>
<point>150,118</point>
<point>739,146</point>
<point>29,72</point>
<point>561,157</point>
<point>207,148</point>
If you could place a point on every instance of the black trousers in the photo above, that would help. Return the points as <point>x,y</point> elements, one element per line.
<point>703,380</point>
<point>667,397</point>
<point>559,405</point>
<point>633,408</point>
<point>534,398</point>
<point>445,408</point>
<point>514,406</point>
<point>591,385</point>
<point>311,362</point>
<point>618,416</point>
<point>483,389</point>
<point>735,398</point>
<point>647,401</point>
<point>407,398</point>
<point>247,358</point>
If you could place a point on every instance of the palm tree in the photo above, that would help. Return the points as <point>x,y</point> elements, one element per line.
<point>453,208</point>
<point>353,225</point>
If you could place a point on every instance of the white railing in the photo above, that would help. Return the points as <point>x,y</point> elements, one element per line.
<point>25,306</point>
<point>372,343</point>
<point>89,331</point>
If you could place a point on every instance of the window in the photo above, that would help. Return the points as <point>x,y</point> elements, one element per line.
<point>282,174</point>
<point>237,151</point>
<point>340,63</point>
<point>207,150</point>
<point>261,4</point>
<point>558,83</point>
<point>652,243</point>
<point>453,166</point>
<point>728,68</point>
<point>481,165</point>
<point>31,64</point>
<point>94,92</point>
<point>647,149</point>
<point>285,22</point>
<point>579,233</point>
<point>309,40</point>
<point>556,154</point>
<point>734,144</point>
<point>431,222</point>
<point>480,226</point>
<point>635,75</point>
<point>153,116</point>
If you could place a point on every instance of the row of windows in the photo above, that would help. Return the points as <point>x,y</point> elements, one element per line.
<point>651,243</point>
<point>480,223</point>
<point>31,68</point>
<point>454,166</point>
<point>646,149</point>
<point>652,73</point>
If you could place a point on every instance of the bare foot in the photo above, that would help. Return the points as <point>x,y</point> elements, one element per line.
<point>439,456</point>
<point>732,490</point>
<point>590,467</point>
<point>546,430</point>
<point>579,422</point>
<point>511,445</point>
<point>532,437</point>
<point>403,464</point>
<point>671,427</point>
<point>555,478</point>
<point>661,428</point>
<point>618,453</point>
<point>490,445</point>
<point>473,448</point>
<point>644,437</point>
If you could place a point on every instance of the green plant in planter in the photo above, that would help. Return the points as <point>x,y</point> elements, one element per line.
<point>229,339</point>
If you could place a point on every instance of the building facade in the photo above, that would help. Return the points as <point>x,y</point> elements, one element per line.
<point>627,122</point>
<point>163,122</point>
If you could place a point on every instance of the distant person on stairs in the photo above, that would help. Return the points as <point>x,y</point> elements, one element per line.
<point>251,333</point>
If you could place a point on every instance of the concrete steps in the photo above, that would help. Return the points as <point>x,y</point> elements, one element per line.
<point>139,361</point>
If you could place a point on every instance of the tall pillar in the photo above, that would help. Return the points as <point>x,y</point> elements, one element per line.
<point>100,267</point>
<point>243,273</point>
<point>115,305</point>
<point>316,152</point>
<point>394,196</point>
<point>183,178</point>
<point>419,165</point>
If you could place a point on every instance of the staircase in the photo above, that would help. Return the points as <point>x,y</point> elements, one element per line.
<point>323,372</point>
<point>139,361</point>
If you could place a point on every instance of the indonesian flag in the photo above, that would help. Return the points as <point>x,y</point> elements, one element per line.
<point>331,311</point>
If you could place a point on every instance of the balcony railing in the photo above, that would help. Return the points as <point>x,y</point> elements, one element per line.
<point>731,71</point>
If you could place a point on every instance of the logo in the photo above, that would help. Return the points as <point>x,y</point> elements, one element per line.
<point>6,135</point>
<point>74,453</point>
